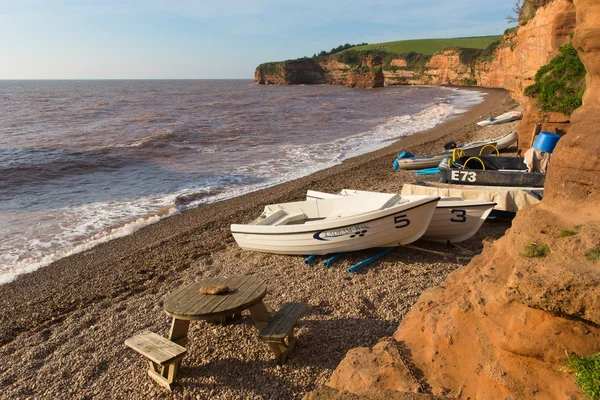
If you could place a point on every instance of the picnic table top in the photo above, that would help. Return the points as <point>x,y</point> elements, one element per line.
<point>188,304</point>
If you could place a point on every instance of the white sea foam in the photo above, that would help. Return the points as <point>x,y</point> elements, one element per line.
<point>60,233</point>
<point>76,238</point>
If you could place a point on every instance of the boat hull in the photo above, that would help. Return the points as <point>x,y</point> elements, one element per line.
<point>499,171</point>
<point>502,119</point>
<point>454,219</point>
<point>457,221</point>
<point>472,149</point>
<point>395,226</point>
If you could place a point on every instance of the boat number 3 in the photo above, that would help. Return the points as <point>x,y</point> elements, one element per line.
<point>461,216</point>
<point>401,221</point>
<point>464,176</point>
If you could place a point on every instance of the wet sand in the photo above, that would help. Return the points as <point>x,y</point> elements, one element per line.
<point>62,328</point>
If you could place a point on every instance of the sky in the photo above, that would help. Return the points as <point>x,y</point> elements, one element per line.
<point>216,39</point>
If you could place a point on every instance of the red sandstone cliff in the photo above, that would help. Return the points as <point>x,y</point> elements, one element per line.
<point>499,328</point>
<point>512,66</point>
<point>519,58</point>
<point>367,74</point>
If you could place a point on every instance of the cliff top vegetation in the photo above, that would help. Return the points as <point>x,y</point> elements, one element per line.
<point>430,46</point>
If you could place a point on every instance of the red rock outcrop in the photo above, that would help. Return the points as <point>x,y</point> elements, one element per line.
<point>368,74</point>
<point>500,327</point>
<point>447,67</point>
<point>521,55</point>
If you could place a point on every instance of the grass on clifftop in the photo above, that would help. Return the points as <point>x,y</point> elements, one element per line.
<point>430,46</point>
<point>587,373</point>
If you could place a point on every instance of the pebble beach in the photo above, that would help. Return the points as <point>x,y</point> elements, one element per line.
<point>62,327</point>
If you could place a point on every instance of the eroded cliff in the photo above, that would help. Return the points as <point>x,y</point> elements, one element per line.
<point>500,327</point>
<point>367,73</point>
<point>510,64</point>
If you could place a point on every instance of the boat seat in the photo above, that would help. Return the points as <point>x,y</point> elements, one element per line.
<point>282,217</point>
<point>291,216</point>
<point>269,220</point>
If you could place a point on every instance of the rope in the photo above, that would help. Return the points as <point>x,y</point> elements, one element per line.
<point>474,158</point>
<point>439,253</point>
<point>492,146</point>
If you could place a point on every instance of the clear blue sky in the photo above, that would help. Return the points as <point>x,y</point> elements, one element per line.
<point>68,39</point>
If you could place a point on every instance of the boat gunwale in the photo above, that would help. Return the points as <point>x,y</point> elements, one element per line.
<point>434,199</point>
<point>482,204</point>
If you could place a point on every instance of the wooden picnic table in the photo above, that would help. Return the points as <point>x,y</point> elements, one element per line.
<point>187,304</point>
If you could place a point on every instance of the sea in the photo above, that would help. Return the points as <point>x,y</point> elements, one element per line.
<point>84,162</point>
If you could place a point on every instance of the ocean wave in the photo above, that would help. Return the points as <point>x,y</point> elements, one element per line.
<point>75,239</point>
<point>301,160</point>
<point>39,165</point>
<point>239,155</point>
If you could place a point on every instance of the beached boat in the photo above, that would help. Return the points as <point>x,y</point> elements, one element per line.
<point>503,118</point>
<point>471,149</point>
<point>454,219</point>
<point>490,171</point>
<point>335,225</point>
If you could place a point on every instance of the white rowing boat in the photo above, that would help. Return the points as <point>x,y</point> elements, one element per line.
<point>503,118</point>
<point>339,224</point>
<point>454,219</point>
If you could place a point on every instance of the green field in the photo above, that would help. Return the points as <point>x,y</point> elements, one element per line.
<point>430,46</point>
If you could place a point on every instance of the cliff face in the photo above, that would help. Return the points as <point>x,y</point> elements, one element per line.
<point>443,68</point>
<point>516,62</point>
<point>512,66</point>
<point>367,74</point>
<point>500,327</point>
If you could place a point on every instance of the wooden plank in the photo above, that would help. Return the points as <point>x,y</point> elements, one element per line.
<point>195,297</point>
<point>197,305</point>
<point>155,347</point>
<point>277,319</point>
<point>249,294</point>
<point>181,295</point>
<point>234,284</point>
<point>283,321</point>
<point>242,293</point>
<point>187,303</point>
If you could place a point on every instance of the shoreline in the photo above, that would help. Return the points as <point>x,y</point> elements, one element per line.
<point>142,267</point>
<point>29,254</point>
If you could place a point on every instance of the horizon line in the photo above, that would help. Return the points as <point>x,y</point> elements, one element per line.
<point>126,79</point>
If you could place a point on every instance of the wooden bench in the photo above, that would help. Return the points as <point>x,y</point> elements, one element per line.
<point>279,333</point>
<point>163,356</point>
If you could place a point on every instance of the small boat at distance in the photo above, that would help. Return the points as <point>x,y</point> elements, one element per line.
<point>503,118</point>
<point>336,225</point>
<point>454,219</point>
<point>471,149</point>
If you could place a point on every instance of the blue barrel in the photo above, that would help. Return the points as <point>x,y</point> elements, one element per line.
<point>546,141</point>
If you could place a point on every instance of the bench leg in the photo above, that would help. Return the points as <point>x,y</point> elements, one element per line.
<point>179,331</point>
<point>164,375</point>
<point>284,348</point>
<point>260,315</point>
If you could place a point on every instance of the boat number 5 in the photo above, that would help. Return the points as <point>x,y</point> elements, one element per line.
<point>464,176</point>
<point>401,221</point>
<point>461,216</point>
